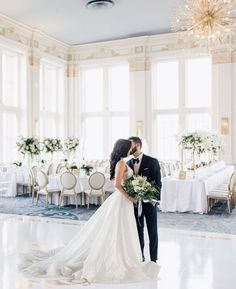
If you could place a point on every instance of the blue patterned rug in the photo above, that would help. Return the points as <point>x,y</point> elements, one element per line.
<point>218,220</point>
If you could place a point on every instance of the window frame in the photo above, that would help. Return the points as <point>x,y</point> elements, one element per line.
<point>182,111</point>
<point>21,107</point>
<point>58,116</point>
<point>106,114</point>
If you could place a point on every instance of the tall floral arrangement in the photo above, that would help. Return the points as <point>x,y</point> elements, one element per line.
<point>71,144</point>
<point>28,146</point>
<point>200,142</point>
<point>51,145</point>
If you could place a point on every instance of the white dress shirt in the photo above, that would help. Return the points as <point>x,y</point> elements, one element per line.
<point>137,165</point>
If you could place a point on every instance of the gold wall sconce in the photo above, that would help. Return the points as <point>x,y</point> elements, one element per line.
<point>224,126</point>
<point>139,128</point>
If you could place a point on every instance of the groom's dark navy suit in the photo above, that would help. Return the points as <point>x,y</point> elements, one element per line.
<point>149,168</point>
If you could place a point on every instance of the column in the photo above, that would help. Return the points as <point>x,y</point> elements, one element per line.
<point>33,93</point>
<point>72,106</point>
<point>140,92</point>
<point>222,99</point>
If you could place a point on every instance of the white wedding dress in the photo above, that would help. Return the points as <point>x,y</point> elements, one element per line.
<point>105,250</point>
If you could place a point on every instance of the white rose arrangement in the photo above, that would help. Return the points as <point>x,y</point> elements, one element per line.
<point>71,144</point>
<point>28,146</point>
<point>200,142</point>
<point>51,145</point>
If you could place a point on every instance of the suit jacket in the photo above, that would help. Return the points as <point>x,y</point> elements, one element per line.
<point>149,168</point>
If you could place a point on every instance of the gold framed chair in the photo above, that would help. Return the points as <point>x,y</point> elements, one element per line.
<point>50,170</point>
<point>68,183</point>
<point>96,183</point>
<point>43,188</point>
<point>223,192</point>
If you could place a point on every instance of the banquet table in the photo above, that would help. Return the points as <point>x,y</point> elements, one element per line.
<point>9,177</point>
<point>190,195</point>
<point>81,186</point>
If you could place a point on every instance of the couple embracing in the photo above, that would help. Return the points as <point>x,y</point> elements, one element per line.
<point>109,248</point>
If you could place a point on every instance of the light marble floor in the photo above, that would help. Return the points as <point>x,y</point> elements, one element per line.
<point>188,259</point>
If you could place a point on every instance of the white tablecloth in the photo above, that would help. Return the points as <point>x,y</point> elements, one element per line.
<point>81,186</point>
<point>10,178</point>
<point>191,194</point>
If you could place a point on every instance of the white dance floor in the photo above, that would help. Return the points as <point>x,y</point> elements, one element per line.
<point>188,259</point>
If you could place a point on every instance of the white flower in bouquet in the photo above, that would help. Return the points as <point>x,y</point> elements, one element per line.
<point>52,145</point>
<point>142,190</point>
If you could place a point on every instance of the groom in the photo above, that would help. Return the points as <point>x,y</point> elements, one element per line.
<point>149,167</point>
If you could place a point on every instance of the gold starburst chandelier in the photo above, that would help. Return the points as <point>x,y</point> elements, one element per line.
<point>209,21</point>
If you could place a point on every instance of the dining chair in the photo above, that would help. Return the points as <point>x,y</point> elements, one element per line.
<point>96,183</point>
<point>44,188</point>
<point>68,183</point>
<point>50,170</point>
<point>223,193</point>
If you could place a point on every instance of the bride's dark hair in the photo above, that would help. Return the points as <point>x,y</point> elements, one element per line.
<point>120,150</point>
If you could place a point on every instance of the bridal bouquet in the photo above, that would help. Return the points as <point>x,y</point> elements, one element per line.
<point>52,145</point>
<point>142,190</point>
<point>71,144</point>
<point>28,146</point>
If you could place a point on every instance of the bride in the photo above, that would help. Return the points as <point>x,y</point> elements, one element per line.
<point>107,248</point>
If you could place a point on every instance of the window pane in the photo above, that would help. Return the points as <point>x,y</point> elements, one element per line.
<point>119,129</point>
<point>166,81</point>
<point>167,129</point>
<point>119,88</point>
<point>47,127</point>
<point>9,137</point>
<point>52,100</point>
<point>9,79</point>
<point>198,121</point>
<point>48,99</point>
<point>198,82</point>
<point>93,90</point>
<point>92,145</point>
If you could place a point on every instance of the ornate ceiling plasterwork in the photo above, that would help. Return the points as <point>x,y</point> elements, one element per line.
<point>144,47</point>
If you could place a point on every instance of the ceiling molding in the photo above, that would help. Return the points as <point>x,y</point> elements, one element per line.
<point>148,47</point>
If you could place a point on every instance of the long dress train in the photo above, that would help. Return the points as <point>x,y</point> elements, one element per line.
<point>106,249</point>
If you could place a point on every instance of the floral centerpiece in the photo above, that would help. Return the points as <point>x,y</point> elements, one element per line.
<point>87,168</point>
<point>74,169</point>
<point>28,146</point>
<point>71,144</point>
<point>142,190</point>
<point>17,164</point>
<point>52,145</point>
<point>200,142</point>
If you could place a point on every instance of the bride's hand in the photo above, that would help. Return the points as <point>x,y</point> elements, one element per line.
<point>133,200</point>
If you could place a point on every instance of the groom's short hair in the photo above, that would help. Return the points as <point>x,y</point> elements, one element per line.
<point>136,140</point>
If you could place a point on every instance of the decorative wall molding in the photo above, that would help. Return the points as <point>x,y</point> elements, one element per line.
<point>34,59</point>
<point>220,57</point>
<point>32,39</point>
<point>72,70</point>
<point>139,64</point>
<point>136,47</point>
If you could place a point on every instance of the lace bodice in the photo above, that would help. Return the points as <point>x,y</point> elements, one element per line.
<point>128,174</point>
